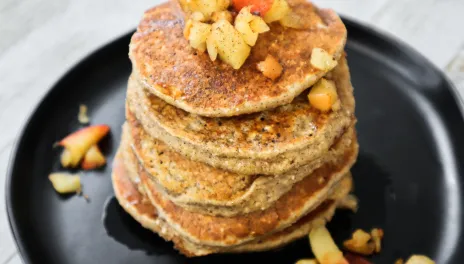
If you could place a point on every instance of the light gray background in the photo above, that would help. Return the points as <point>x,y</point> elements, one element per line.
<point>41,40</point>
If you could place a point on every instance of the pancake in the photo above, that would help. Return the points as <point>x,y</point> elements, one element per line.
<point>304,197</point>
<point>271,142</point>
<point>164,62</point>
<point>136,204</point>
<point>201,188</point>
<point>261,135</point>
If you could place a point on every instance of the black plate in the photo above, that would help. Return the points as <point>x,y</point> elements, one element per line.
<point>407,177</point>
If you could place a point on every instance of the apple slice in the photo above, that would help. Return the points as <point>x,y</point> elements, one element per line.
<point>93,159</point>
<point>324,248</point>
<point>419,259</point>
<point>65,182</point>
<point>361,243</point>
<point>79,142</point>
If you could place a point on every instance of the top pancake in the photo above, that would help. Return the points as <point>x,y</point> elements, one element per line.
<point>165,63</point>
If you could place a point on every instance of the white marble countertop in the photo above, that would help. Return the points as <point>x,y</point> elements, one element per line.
<point>41,40</point>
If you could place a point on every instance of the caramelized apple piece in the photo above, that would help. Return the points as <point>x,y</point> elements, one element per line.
<point>79,142</point>
<point>198,34</point>
<point>270,67</point>
<point>82,116</point>
<point>278,10</point>
<point>360,243</point>
<point>419,259</point>
<point>322,60</point>
<point>323,95</point>
<point>324,248</point>
<point>65,182</point>
<point>258,25</point>
<point>377,236</point>
<point>243,25</point>
<point>93,159</point>
<point>257,6</point>
<point>206,7</point>
<point>211,46</point>
<point>198,16</point>
<point>231,47</point>
<point>222,15</point>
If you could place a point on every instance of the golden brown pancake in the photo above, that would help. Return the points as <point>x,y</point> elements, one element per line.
<point>201,188</point>
<point>138,206</point>
<point>271,142</point>
<point>164,62</point>
<point>261,135</point>
<point>304,197</point>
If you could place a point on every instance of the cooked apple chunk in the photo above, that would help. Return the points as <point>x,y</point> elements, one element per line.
<point>222,15</point>
<point>278,10</point>
<point>322,60</point>
<point>79,142</point>
<point>198,34</point>
<point>258,25</point>
<point>324,248</point>
<point>65,182</point>
<point>323,95</point>
<point>231,47</point>
<point>82,116</point>
<point>270,67</point>
<point>93,159</point>
<point>360,243</point>
<point>419,259</point>
<point>206,7</point>
<point>243,25</point>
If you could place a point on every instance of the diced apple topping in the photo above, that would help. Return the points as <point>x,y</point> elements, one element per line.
<point>65,182</point>
<point>243,25</point>
<point>82,116</point>
<point>322,60</point>
<point>323,95</point>
<point>278,10</point>
<point>222,15</point>
<point>360,243</point>
<point>270,67</point>
<point>198,16</point>
<point>377,236</point>
<point>306,261</point>
<point>206,7</point>
<point>231,47</point>
<point>257,6</point>
<point>324,248</point>
<point>419,259</point>
<point>364,243</point>
<point>198,34</point>
<point>258,25</point>
<point>79,142</point>
<point>93,159</point>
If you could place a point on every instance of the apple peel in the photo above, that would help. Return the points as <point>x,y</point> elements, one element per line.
<point>78,143</point>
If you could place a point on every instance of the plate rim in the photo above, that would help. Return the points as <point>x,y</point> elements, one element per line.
<point>370,30</point>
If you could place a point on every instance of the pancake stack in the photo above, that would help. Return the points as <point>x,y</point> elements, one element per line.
<point>222,160</point>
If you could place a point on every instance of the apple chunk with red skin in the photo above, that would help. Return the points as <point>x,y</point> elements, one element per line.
<point>93,159</point>
<point>78,143</point>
